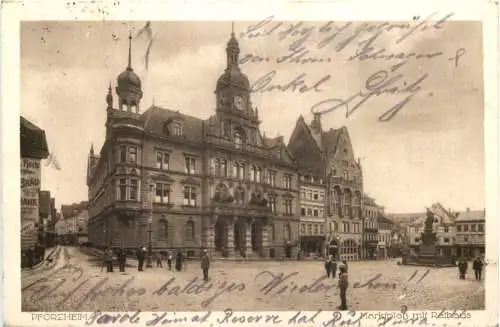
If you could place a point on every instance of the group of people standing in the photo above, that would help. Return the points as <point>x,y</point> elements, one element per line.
<point>477,266</point>
<point>111,255</point>
<point>343,283</point>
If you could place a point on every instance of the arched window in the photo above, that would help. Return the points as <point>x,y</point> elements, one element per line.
<point>221,192</point>
<point>241,174</point>
<point>163,230</point>
<point>273,232</point>
<point>238,139</point>
<point>239,195</point>
<point>348,203</point>
<point>337,196</point>
<point>252,173</point>
<point>189,230</point>
<point>258,175</point>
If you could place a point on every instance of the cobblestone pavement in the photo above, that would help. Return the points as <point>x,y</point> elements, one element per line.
<point>77,283</point>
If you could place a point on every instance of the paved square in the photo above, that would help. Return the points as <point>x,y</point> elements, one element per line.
<point>255,286</point>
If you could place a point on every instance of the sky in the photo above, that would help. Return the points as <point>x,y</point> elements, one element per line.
<point>431,150</point>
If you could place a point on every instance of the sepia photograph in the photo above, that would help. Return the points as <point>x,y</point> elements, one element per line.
<point>263,165</point>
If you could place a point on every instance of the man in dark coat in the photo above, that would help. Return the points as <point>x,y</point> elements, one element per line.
<point>462,267</point>
<point>30,257</point>
<point>122,257</point>
<point>328,266</point>
<point>159,259</point>
<point>178,261</point>
<point>334,268</point>
<point>477,265</point>
<point>108,259</point>
<point>169,261</point>
<point>205,265</point>
<point>141,256</point>
<point>343,285</point>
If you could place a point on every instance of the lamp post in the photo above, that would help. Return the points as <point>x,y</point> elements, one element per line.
<point>150,222</point>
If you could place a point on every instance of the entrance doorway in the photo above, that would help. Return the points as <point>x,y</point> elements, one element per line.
<point>256,236</point>
<point>288,251</point>
<point>220,237</point>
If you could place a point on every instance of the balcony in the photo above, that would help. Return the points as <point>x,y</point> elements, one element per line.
<point>128,208</point>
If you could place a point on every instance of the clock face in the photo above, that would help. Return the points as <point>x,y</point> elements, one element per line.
<point>239,102</point>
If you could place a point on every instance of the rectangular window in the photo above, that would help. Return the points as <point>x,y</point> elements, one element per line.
<point>315,196</point>
<point>446,229</point>
<point>272,178</point>
<point>190,196</point>
<point>122,153</point>
<point>287,181</point>
<point>466,228</point>
<point>302,228</point>
<point>190,165</point>
<point>322,229</point>
<point>241,174</point>
<point>122,189</point>
<point>288,207</point>
<point>132,154</point>
<point>235,170</point>
<point>459,228</point>
<point>309,212</point>
<point>133,190</point>
<point>316,229</point>
<point>177,129</point>
<point>162,160</point>
<point>480,228</point>
<point>321,212</point>
<point>309,229</point>
<point>272,204</point>
<point>473,227</point>
<point>302,211</point>
<point>162,193</point>
<point>309,195</point>
<point>303,195</point>
<point>315,213</point>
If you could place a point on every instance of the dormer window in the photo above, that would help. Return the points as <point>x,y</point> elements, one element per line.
<point>177,128</point>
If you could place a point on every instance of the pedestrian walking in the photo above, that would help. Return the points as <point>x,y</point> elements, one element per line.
<point>108,259</point>
<point>477,265</point>
<point>343,263</point>
<point>141,256</point>
<point>343,285</point>
<point>205,264</point>
<point>462,267</point>
<point>328,266</point>
<point>122,258</point>
<point>178,261</point>
<point>169,261</point>
<point>159,260</point>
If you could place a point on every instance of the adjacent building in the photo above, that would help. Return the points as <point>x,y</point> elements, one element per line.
<point>312,215</point>
<point>34,148</point>
<point>470,233</point>
<point>328,154</point>
<point>370,228</point>
<point>385,232</point>
<point>174,181</point>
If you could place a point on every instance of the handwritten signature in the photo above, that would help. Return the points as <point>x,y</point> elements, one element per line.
<point>379,83</point>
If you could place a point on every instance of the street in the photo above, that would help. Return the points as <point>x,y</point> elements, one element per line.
<point>76,282</point>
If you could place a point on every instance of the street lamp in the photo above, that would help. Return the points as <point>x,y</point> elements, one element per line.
<point>150,222</point>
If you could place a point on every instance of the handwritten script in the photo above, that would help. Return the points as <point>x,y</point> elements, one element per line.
<point>332,44</point>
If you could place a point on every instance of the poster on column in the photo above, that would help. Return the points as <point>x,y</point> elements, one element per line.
<point>30,188</point>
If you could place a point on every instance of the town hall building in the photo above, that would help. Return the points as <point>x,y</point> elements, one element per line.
<point>177,182</point>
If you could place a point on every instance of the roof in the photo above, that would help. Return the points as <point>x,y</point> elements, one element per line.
<point>74,209</point>
<point>155,119</point>
<point>406,217</point>
<point>33,140</point>
<point>469,215</point>
<point>383,219</point>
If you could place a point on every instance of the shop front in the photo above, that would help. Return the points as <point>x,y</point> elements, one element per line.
<point>312,246</point>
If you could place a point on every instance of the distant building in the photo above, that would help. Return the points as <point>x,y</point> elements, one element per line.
<point>312,214</point>
<point>329,154</point>
<point>385,230</point>
<point>72,226</point>
<point>33,149</point>
<point>444,226</point>
<point>173,181</point>
<point>470,233</point>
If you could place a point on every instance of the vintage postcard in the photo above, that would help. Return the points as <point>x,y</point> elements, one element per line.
<point>213,164</point>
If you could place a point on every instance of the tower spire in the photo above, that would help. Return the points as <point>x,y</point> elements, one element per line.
<point>109,97</point>
<point>92,148</point>
<point>232,28</point>
<point>129,67</point>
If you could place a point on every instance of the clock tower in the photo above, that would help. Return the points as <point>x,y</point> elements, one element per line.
<point>233,88</point>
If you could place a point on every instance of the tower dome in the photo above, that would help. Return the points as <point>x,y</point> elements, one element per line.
<point>129,85</point>
<point>232,75</point>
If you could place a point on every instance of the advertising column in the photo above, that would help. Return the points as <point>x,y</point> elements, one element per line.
<point>30,188</point>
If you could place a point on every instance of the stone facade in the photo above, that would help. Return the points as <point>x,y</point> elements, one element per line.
<point>470,233</point>
<point>179,182</point>
<point>329,153</point>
